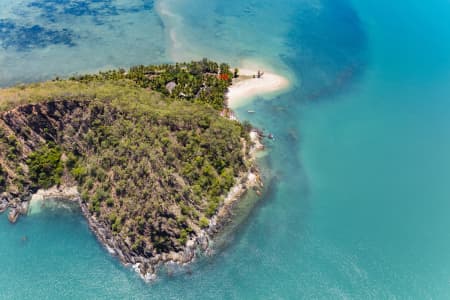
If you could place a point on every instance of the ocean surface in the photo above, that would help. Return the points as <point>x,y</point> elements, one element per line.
<point>359,201</point>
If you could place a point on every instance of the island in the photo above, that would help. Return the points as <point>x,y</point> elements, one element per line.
<point>153,155</point>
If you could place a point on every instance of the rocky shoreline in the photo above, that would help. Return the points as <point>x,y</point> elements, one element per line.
<point>15,204</point>
<point>145,267</point>
<point>154,179</point>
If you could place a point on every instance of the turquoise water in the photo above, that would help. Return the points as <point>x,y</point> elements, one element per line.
<point>359,203</point>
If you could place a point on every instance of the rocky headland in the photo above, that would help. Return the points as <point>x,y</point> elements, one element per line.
<point>152,155</point>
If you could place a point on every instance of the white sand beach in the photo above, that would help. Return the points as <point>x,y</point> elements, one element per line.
<point>245,88</point>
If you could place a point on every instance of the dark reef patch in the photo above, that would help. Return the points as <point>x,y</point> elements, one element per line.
<point>328,48</point>
<point>54,10</point>
<point>49,21</point>
<point>26,37</point>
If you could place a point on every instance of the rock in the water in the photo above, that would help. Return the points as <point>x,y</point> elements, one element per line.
<point>150,277</point>
<point>13,215</point>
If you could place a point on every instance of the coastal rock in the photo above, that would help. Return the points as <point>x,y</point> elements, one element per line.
<point>190,244</point>
<point>3,206</point>
<point>15,201</point>
<point>5,196</point>
<point>13,215</point>
<point>188,255</point>
<point>176,257</point>
<point>110,250</point>
<point>203,241</point>
<point>148,277</point>
<point>23,207</point>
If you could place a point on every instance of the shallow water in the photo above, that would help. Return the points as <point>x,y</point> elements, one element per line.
<point>44,39</point>
<point>359,204</point>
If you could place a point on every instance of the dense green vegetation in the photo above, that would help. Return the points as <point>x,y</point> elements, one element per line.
<point>45,166</point>
<point>158,169</point>
<point>152,164</point>
<point>202,82</point>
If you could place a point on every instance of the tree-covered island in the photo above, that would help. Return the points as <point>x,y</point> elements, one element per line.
<point>151,151</point>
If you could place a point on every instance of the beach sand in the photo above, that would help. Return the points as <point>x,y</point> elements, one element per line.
<point>245,87</point>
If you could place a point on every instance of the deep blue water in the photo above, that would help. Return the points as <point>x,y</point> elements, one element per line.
<point>359,202</point>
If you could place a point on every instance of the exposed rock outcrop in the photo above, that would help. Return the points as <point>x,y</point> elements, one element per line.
<point>13,215</point>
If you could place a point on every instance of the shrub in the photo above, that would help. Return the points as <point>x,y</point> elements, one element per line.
<point>183,237</point>
<point>79,173</point>
<point>45,166</point>
<point>110,202</point>
<point>204,222</point>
